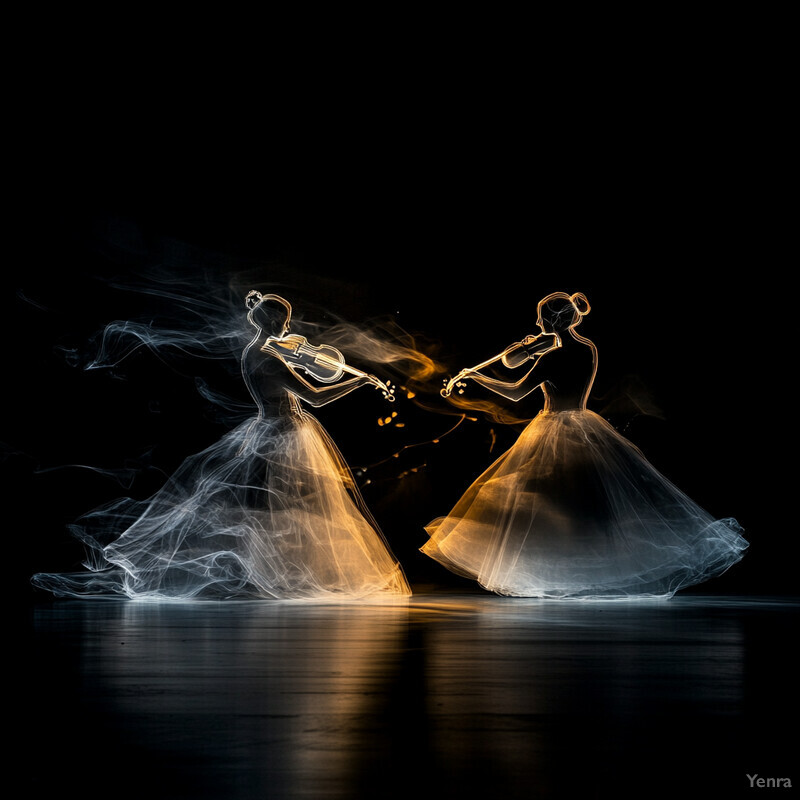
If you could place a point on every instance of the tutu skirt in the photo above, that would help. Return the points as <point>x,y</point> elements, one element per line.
<point>574,510</point>
<point>269,511</point>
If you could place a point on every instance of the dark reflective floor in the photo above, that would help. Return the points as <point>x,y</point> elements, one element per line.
<point>446,695</point>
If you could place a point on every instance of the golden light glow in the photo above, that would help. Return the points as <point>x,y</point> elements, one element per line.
<point>271,510</point>
<point>572,509</point>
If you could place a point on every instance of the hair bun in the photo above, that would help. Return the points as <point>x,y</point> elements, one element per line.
<point>253,298</point>
<point>581,303</point>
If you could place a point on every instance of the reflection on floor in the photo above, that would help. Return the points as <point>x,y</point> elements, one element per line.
<point>442,695</point>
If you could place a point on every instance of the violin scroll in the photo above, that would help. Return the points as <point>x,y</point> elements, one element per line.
<point>385,386</point>
<point>456,382</point>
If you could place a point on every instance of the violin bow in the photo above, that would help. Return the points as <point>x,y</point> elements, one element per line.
<point>335,364</point>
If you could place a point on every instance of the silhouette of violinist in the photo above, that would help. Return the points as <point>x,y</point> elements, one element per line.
<point>270,510</point>
<point>573,509</point>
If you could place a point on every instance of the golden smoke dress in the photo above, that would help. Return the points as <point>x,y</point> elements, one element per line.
<point>271,510</point>
<point>574,510</point>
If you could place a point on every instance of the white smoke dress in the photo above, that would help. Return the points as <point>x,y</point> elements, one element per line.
<point>575,510</point>
<point>271,510</point>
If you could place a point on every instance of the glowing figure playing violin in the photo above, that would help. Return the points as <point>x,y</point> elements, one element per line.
<point>573,509</point>
<point>269,511</point>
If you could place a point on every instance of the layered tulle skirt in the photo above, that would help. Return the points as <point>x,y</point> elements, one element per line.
<point>574,510</point>
<point>269,511</point>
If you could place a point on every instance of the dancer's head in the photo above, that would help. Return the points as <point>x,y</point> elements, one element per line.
<point>560,311</point>
<point>269,312</point>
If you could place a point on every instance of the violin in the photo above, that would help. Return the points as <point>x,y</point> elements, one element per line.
<point>323,362</point>
<point>515,355</point>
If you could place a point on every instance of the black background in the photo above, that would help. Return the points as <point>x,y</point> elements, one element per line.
<point>666,213</point>
<point>450,181</point>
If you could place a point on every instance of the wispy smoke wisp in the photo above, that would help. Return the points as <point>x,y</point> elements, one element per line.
<point>270,510</point>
